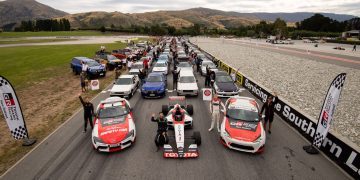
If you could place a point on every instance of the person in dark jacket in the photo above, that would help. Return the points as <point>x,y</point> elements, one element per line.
<point>268,107</point>
<point>88,112</point>
<point>161,137</point>
<point>207,77</point>
<point>175,78</point>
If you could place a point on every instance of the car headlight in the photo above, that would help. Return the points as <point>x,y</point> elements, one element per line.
<point>258,139</point>
<point>225,133</point>
<point>98,140</point>
<point>130,134</point>
<point>127,92</point>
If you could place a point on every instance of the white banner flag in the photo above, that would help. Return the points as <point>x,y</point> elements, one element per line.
<point>11,110</point>
<point>328,109</point>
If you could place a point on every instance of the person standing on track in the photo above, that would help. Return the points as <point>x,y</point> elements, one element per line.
<point>146,64</point>
<point>354,48</point>
<point>268,106</point>
<point>161,136</point>
<point>215,111</point>
<point>207,77</point>
<point>88,112</point>
<point>175,78</point>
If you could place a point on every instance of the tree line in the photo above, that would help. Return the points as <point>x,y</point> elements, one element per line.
<point>315,26</point>
<point>44,25</point>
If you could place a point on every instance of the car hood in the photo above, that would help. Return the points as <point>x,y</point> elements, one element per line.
<point>113,134</point>
<point>151,86</point>
<point>97,68</point>
<point>187,86</point>
<point>227,87</point>
<point>120,88</point>
<point>243,130</point>
<point>159,68</point>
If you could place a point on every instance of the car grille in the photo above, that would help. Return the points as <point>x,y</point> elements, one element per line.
<point>188,91</point>
<point>241,146</point>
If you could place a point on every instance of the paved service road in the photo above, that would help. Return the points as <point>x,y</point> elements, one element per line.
<point>326,57</point>
<point>68,153</point>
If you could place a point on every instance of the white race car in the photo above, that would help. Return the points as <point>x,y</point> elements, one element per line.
<point>242,128</point>
<point>114,127</point>
<point>177,117</point>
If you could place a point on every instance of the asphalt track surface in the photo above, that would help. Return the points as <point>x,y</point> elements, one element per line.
<point>331,58</point>
<point>68,154</point>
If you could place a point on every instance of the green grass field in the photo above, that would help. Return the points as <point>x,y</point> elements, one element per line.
<point>26,65</point>
<point>25,41</point>
<point>54,33</point>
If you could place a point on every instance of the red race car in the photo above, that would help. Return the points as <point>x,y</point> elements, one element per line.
<point>114,127</point>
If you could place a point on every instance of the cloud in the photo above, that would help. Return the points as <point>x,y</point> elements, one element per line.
<point>131,6</point>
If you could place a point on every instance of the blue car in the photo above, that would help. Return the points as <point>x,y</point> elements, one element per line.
<point>154,85</point>
<point>95,69</point>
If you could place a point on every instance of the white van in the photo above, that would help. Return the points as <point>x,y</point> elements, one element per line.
<point>187,84</point>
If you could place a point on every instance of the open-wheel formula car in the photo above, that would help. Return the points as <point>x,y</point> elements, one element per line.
<point>178,116</point>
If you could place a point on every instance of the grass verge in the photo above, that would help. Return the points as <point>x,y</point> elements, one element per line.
<point>44,83</point>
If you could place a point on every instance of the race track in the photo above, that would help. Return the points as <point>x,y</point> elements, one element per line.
<point>68,153</point>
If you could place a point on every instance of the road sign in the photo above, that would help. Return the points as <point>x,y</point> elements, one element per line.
<point>207,94</point>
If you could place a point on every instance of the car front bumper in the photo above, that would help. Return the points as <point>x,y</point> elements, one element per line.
<point>227,94</point>
<point>102,147</point>
<point>188,92</point>
<point>120,94</point>
<point>153,94</point>
<point>251,147</point>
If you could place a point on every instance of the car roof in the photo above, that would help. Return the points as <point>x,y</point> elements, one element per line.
<point>138,63</point>
<point>221,73</point>
<point>186,73</point>
<point>156,74</point>
<point>112,100</point>
<point>126,76</point>
<point>84,58</point>
<point>241,102</point>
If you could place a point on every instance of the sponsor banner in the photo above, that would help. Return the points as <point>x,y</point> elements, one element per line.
<point>347,157</point>
<point>328,109</point>
<point>184,155</point>
<point>207,94</point>
<point>11,110</point>
<point>95,84</point>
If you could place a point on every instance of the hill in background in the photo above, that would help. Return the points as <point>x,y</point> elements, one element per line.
<point>14,11</point>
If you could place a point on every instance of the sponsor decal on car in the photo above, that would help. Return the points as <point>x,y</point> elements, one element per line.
<point>185,155</point>
<point>251,126</point>
<point>109,131</point>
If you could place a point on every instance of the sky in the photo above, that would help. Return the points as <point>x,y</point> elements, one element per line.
<point>351,7</point>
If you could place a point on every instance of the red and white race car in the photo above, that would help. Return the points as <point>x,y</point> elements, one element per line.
<point>242,128</point>
<point>114,127</point>
<point>179,114</point>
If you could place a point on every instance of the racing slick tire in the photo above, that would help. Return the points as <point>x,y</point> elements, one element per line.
<point>197,137</point>
<point>190,109</point>
<point>165,109</point>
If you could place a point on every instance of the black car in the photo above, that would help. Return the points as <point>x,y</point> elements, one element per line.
<point>224,85</point>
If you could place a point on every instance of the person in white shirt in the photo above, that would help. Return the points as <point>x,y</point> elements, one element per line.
<point>84,67</point>
<point>129,64</point>
<point>215,111</point>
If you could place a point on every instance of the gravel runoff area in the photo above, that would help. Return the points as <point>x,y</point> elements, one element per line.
<point>302,82</point>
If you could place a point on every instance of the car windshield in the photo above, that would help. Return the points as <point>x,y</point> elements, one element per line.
<point>111,57</point>
<point>160,65</point>
<point>210,64</point>
<point>154,79</point>
<point>92,63</point>
<point>124,81</point>
<point>184,65</point>
<point>137,66</point>
<point>187,79</point>
<point>112,115</point>
<point>223,79</point>
<point>241,114</point>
